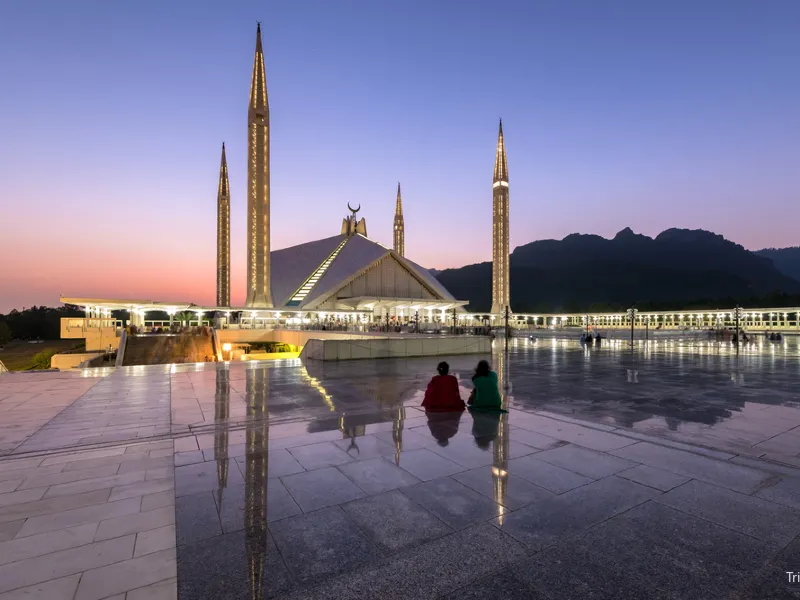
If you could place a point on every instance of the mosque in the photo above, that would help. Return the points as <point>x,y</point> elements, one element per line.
<point>346,277</point>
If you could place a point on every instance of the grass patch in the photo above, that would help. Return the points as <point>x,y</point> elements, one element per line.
<point>22,356</point>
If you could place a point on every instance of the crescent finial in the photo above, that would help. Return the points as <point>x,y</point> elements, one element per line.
<point>353,210</point>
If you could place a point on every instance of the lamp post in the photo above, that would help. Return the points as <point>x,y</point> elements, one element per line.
<point>632,316</point>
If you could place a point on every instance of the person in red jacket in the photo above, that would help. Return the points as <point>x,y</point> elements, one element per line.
<point>442,394</point>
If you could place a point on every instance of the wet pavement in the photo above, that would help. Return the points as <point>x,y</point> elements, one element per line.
<point>662,471</point>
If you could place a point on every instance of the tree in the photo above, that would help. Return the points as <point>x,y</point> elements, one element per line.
<point>5,333</point>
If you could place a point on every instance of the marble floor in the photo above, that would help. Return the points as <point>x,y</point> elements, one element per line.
<point>669,470</point>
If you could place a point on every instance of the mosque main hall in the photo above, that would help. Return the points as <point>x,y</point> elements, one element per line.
<point>346,277</point>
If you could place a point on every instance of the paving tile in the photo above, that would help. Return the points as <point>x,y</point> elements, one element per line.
<point>316,456</point>
<point>672,532</point>
<point>34,480</point>
<point>426,465</point>
<point>82,456</point>
<point>88,485</point>
<point>163,590</point>
<point>534,439</point>
<point>203,477</point>
<point>238,506</point>
<point>279,463</point>
<point>200,565</point>
<point>78,516</point>
<point>185,444</point>
<point>55,589</point>
<point>654,478</point>
<point>21,497</point>
<point>51,505</point>
<point>556,518</point>
<point>9,529</point>
<point>365,446</point>
<point>496,587</point>
<point>44,543</point>
<point>583,461</point>
<point>786,491</point>
<point>573,570</point>
<point>407,440</point>
<point>575,433</point>
<point>9,485</point>
<point>65,562</point>
<point>454,503</point>
<point>321,544</point>
<point>375,475</point>
<point>196,518</point>
<point>148,464</point>
<point>759,518</point>
<point>321,488</point>
<point>496,484</point>
<point>159,500</point>
<point>394,522</point>
<point>545,475</point>
<point>426,571</point>
<point>143,521</point>
<point>188,458</point>
<point>99,583</point>
<point>154,540</point>
<point>722,473</point>
<point>30,472</point>
<point>144,488</point>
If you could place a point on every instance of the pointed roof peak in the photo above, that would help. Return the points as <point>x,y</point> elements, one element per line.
<point>500,161</point>
<point>399,205</point>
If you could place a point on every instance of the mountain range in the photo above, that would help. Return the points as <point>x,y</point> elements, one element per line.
<point>679,267</point>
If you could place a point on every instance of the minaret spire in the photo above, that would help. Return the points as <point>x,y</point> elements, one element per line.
<point>399,225</point>
<point>500,256</point>
<point>223,234</point>
<point>259,294</point>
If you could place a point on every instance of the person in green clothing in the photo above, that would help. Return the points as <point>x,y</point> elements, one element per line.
<point>485,397</point>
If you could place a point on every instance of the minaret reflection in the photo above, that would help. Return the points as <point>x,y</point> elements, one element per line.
<point>222,411</point>
<point>500,444</point>
<point>255,477</point>
<point>397,432</point>
<point>500,453</point>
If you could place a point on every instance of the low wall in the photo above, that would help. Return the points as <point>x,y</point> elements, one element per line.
<point>70,361</point>
<point>294,337</point>
<point>394,347</point>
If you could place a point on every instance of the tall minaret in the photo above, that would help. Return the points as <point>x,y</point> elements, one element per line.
<point>399,226</point>
<point>223,235</point>
<point>259,294</point>
<point>500,266</point>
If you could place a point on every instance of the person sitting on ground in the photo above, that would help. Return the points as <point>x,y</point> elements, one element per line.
<point>442,394</point>
<point>485,397</point>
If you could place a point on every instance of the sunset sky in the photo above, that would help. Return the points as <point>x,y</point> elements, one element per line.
<point>616,113</point>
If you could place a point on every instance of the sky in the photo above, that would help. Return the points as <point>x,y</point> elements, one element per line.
<point>616,114</point>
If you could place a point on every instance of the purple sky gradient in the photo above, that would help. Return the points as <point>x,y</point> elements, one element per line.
<point>643,114</point>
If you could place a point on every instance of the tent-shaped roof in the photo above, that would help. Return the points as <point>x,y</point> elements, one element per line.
<point>307,274</point>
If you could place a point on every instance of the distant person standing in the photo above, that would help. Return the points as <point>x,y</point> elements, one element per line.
<point>485,397</point>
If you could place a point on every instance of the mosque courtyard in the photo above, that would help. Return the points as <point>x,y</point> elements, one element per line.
<point>670,470</point>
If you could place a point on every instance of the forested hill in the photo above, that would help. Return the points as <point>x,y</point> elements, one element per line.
<point>589,272</point>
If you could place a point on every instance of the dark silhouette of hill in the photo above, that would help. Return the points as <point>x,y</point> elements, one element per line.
<point>589,272</point>
<point>786,260</point>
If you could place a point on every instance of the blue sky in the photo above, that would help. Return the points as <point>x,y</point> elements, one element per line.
<point>642,114</point>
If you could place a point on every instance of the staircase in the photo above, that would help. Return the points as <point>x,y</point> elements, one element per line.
<point>168,349</point>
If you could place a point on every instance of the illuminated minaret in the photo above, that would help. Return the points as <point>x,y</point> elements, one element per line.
<point>500,267</point>
<point>259,294</point>
<point>223,235</point>
<point>399,226</point>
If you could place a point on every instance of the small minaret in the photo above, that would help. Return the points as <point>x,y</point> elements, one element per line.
<point>500,257</point>
<point>259,294</point>
<point>223,235</point>
<point>399,225</point>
